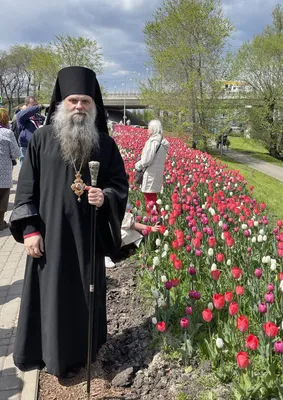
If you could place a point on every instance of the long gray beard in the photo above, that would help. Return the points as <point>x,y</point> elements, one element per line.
<point>77,134</point>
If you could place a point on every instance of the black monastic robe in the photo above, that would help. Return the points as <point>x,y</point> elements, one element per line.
<point>53,321</point>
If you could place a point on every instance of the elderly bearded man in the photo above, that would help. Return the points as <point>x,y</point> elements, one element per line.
<point>52,218</point>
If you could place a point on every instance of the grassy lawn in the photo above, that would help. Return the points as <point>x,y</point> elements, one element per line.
<point>253,148</point>
<point>266,189</point>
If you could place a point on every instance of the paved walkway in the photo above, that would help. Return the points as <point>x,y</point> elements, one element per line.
<point>262,166</point>
<point>14,384</point>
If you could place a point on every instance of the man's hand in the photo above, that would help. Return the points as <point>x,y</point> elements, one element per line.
<point>95,196</point>
<point>34,246</point>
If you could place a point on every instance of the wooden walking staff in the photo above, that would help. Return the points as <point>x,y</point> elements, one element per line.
<point>93,168</point>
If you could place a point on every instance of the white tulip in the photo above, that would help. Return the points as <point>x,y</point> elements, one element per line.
<point>163,278</point>
<point>164,254</point>
<point>281,286</point>
<point>256,223</point>
<point>219,343</point>
<point>259,238</point>
<point>261,231</point>
<point>155,293</point>
<point>264,238</point>
<point>166,233</point>
<point>156,261</point>
<point>244,226</point>
<point>210,306</point>
<point>253,239</point>
<point>213,267</point>
<point>158,242</point>
<point>222,236</point>
<point>273,267</point>
<point>159,202</point>
<point>166,216</point>
<point>268,259</point>
<point>166,247</point>
<point>154,321</point>
<point>220,223</point>
<point>229,262</point>
<point>167,207</point>
<point>231,194</point>
<point>263,260</point>
<point>210,252</point>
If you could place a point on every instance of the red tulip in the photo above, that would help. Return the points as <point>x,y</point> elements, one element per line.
<point>236,272</point>
<point>184,322</point>
<point>218,301</point>
<point>242,323</point>
<point>270,329</point>
<point>228,297</point>
<point>219,257</point>
<point>252,342</point>
<point>242,359</point>
<point>178,264</point>
<point>161,326</point>
<point>207,315</point>
<point>278,347</point>
<point>240,290</point>
<point>215,274</point>
<point>233,308</point>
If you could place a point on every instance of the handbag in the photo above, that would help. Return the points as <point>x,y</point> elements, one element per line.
<point>138,177</point>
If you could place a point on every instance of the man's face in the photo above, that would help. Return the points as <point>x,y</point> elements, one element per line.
<point>78,103</point>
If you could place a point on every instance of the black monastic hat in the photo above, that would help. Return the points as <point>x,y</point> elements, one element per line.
<point>78,80</point>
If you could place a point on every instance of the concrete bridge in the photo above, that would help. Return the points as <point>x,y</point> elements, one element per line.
<point>118,101</point>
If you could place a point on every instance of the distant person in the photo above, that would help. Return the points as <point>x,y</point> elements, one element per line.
<point>9,151</point>
<point>152,162</point>
<point>28,120</point>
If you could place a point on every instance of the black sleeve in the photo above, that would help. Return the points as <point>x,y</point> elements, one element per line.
<point>25,215</point>
<point>111,214</point>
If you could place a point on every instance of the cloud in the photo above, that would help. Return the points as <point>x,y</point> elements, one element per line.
<point>117,25</point>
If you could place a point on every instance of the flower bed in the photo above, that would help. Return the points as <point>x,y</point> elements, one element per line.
<point>214,271</point>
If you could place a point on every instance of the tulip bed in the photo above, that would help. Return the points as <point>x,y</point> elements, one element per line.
<point>214,272</point>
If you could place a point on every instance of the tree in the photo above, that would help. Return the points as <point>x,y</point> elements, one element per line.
<point>260,63</point>
<point>185,41</point>
<point>78,51</point>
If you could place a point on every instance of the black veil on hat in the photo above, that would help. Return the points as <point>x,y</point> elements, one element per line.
<point>78,80</point>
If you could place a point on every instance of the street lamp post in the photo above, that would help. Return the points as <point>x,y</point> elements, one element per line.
<point>125,88</point>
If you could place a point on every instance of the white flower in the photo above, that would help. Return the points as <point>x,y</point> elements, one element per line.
<point>166,216</point>
<point>158,242</point>
<point>203,207</point>
<point>155,293</point>
<point>282,325</point>
<point>166,233</point>
<point>273,267</point>
<point>162,209</point>
<point>212,211</point>
<point>263,260</point>
<point>163,278</point>
<point>205,194</point>
<point>157,251</point>
<point>231,194</point>
<point>167,207</point>
<point>253,239</point>
<point>264,238</point>
<point>220,223</point>
<point>256,223</point>
<point>273,262</point>
<point>139,213</point>
<point>222,236</point>
<point>156,261</point>
<point>135,210</point>
<point>166,247</point>
<point>229,262</point>
<point>261,232</point>
<point>219,343</point>
<point>164,254</point>
<point>210,251</point>
<point>236,185</point>
<point>217,184</point>
<point>259,238</point>
<point>159,202</point>
<point>281,286</point>
<point>244,226</point>
<point>210,306</point>
<point>268,259</point>
<point>213,267</point>
<point>154,321</point>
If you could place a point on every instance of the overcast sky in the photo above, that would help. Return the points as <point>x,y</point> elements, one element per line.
<point>117,25</point>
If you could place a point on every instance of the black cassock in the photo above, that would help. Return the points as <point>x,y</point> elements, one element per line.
<point>53,321</point>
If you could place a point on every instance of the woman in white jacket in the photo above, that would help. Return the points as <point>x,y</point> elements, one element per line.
<point>152,160</point>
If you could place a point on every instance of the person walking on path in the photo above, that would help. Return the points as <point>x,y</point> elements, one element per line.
<point>153,160</point>
<point>28,120</point>
<point>52,218</point>
<point>9,152</point>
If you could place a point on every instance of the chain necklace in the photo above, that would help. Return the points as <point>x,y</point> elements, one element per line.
<point>78,186</point>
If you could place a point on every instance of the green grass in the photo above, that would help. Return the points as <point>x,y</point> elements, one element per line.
<point>253,148</point>
<point>266,189</point>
